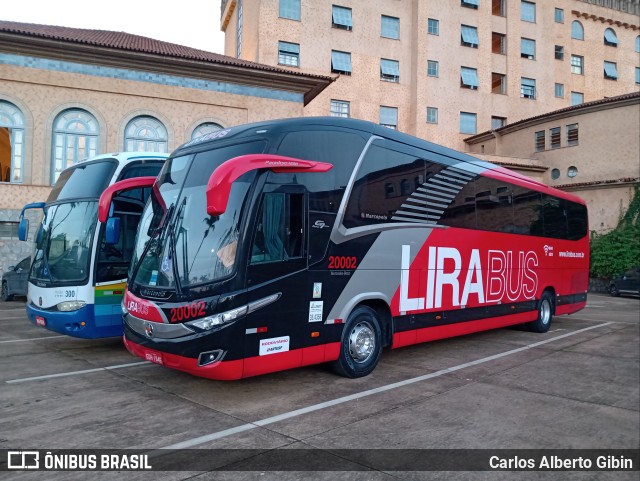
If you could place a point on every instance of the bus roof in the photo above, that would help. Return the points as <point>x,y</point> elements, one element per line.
<point>281,125</point>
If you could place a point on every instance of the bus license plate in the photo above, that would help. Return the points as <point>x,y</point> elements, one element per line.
<point>41,321</point>
<point>154,357</point>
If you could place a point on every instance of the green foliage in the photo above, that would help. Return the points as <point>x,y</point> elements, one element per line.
<point>618,250</point>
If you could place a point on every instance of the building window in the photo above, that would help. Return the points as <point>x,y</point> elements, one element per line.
<point>290,9</point>
<point>638,44</point>
<point>11,134</point>
<point>341,62</point>
<point>572,134</point>
<point>497,122</point>
<point>9,229</point>
<point>433,26</point>
<point>339,108</point>
<point>469,78</point>
<point>572,171</point>
<point>389,117</point>
<point>555,174</point>
<point>528,88</point>
<point>206,128</point>
<point>239,31</point>
<point>554,137</point>
<point>432,68</point>
<point>610,37</point>
<point>611,70</point>
<point>559,15</point>
<point>577,31</point>
<point>577,64</point>
<point>559,52</point>
<point>539,141</point>
<point>467,123</point>
<point>341,17</point>
<point>528,11</point>
<point>145,133</point>
<point>75,137</point>
<point>432,115</point>
<point>559,91</point>
<point>498,43</point>
<point>470,3</point>
<point>577,98</point>
<point>528,48</point>
<point>389,70</point>
<point>469,36</point>
<point>289,54</point>
<point>498,83</point>
<point>638,75</point>
<point>390,27</point>
<point>499,8</point>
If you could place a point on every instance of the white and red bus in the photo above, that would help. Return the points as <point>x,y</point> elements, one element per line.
<point>287,243</point>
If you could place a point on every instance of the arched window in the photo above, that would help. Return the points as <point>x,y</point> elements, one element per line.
<point>638,44</point>
<point>145,134</point>
<point>75,137</point>
<point>610,37</point>
<point>577,30</point>
<point>205,128</point>
<point>11,143</point>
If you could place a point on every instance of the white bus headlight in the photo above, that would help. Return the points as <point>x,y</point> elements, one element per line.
<point>70,305</point>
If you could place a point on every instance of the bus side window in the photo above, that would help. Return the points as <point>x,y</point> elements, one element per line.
<point>279,228</point>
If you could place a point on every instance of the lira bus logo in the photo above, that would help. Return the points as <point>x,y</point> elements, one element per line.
<point>505,276</point>
<point>137,307</point>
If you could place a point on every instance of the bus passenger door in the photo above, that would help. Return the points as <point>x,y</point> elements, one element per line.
<point>277,264</point>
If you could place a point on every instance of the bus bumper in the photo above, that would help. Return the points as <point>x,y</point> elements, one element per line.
<point>221,370</point>
<point>80,323</point>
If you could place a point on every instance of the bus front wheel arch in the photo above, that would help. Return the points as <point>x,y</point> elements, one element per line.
<point>361,343</point>
<point>546,308</point>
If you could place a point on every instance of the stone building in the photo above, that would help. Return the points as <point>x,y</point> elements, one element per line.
<point>68,93</point>
<point>592,150</point>
<point>444,70</point>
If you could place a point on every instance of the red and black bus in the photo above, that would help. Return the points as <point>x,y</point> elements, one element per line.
<point>294,242</point>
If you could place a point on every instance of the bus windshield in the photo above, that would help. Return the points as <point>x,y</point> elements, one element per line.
<point>179,245</point>
<point>63,252</point>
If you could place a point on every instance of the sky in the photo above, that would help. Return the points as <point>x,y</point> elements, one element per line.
<point>194,23</point>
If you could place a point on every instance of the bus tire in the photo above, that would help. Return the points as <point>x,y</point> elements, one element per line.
<point>545,314</point>
<point>361,344</point>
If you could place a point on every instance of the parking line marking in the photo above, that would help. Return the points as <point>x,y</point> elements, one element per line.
<point>32,339</point>
<point>189,443</point>
<point>73,373</point>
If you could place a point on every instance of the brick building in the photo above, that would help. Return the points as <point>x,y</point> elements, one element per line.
<point>67,94</point>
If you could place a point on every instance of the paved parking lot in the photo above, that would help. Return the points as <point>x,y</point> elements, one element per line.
<point>576,387</point>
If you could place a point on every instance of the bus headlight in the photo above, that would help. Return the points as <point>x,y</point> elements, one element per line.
<point>220,319</point>
<point>123,308</point>
<point>70,305</point>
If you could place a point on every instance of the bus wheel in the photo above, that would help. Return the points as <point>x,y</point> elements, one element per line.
<point>545,314</point>
<point>361,344</point>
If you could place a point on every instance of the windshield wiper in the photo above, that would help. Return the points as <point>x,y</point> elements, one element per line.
<point>172,246</point>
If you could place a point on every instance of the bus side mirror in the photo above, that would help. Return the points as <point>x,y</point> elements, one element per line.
<point>219,185</point>
<point>104,204</point>
<point>23,229</point>
<point>112,231</point>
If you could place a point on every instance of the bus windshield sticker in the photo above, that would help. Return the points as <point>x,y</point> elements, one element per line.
<point>315,311</point>
<point>165,264</point>
<point>317,290</point>
<point>154,278</point>
<point>274,345</point>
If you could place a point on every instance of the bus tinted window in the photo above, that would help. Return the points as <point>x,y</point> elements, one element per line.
<point>377,193</point>
<point>554,217</point>
<point>494,210</point>
<point>85,180</point>
<point>341,149</point>
<point>577,221</point>
<point>526,209</point>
